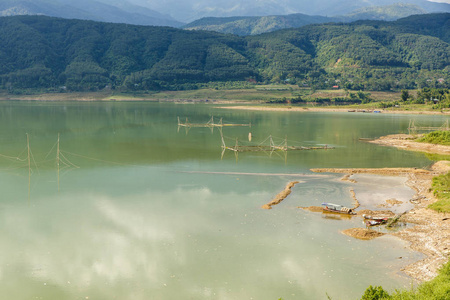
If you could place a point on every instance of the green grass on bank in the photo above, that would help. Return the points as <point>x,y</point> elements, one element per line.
<point>441,188</point>
<point>436,289</point>
<point>441,184</point>
<point>439,287</point>
<point>436,137</point>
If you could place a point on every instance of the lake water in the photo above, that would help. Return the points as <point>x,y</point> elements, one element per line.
<point>142,209</point>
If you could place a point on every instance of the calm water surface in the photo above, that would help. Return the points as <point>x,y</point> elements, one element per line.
<point>141,209</point>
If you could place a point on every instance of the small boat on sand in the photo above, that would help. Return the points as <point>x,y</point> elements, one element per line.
<point>374,221</point>
<point>336,208</point>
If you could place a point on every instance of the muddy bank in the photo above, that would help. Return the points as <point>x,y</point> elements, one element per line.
<point>431,234</point>
<point>380,171</point>
<point>335,109</point>
<point>362,233</point>
<point>281,196</point>
<point>407,142</point>
<point>312,208</point>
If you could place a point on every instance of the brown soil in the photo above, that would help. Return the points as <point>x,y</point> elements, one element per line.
<point>362,234</point>
<point>380,171</point>
<point>390,202</point>
<point>352,192</point>
<point>347,178</point>
<point>281,196</point>
<point>325,109</point>
<point>376,213</point>
<point>406,142</point>
<point>312,208</point>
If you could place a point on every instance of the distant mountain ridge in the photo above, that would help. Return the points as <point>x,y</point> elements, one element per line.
<point>280,13</point>
<point>257,25</point>
<point>125,12</point>
<point>191,10</point>
<point>53,53</point>
<point>387,12</point>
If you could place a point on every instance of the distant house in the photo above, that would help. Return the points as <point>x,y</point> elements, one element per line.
<point>441,80</point>
<point>335,86</point>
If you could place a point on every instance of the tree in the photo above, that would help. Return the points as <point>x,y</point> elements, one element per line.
<point>405,95</point>
<point>375,293</point>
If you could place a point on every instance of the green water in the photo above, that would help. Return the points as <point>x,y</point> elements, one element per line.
<point>141,209</point>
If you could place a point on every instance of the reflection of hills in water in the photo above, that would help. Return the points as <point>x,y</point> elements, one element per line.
<point>113,133</point>
<point>146,133</point>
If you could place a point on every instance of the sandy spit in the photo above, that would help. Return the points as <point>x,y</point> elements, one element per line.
<point>281,195</point>
<point>325,109</point>
<point>407,142</point>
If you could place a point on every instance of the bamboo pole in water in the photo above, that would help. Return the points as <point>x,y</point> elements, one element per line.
<point>57,160</point>
<point>29,167</point>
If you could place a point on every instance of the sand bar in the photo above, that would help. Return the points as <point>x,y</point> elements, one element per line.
<point>336,109</point>
<point>407,142</point>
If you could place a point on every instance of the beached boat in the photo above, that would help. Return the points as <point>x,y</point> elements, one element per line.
<point>336,208</point>
<point>374,221</point>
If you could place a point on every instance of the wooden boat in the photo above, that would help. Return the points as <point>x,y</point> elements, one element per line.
<point>336,208</point>
<point>374,221</point>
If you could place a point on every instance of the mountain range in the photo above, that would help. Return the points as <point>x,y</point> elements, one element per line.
<point>191,10</point>
<point>257,25</point>
<point>41,52</point>
<point>176,13</point>
<point>115,11</point>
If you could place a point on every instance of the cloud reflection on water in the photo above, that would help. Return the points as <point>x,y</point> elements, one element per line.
<point>186,242</point>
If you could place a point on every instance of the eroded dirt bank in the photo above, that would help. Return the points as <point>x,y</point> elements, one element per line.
<point>407,142</point>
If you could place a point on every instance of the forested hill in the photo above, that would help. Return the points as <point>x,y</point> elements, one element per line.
<point>108,11</point>
<point>257,25</point>
<point>44,52</point>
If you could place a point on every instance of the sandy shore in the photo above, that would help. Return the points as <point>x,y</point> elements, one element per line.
<point>342,110</point>
<point>407,142</point>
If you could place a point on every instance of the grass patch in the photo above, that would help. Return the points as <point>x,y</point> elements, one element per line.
<point>437,157</point>
<point>436,137</point>
<point>436,289</point>
<point>441,187</point>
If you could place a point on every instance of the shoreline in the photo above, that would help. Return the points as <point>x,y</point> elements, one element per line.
<point>340,110</point>
<point>245,104</point>
<point>431,233</point>
<point>407,142</point>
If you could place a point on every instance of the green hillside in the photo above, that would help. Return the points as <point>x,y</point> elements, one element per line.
<point>49,53</point>
<point>257,25</point>
<point>109,11</point>
<point>386,12</point>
